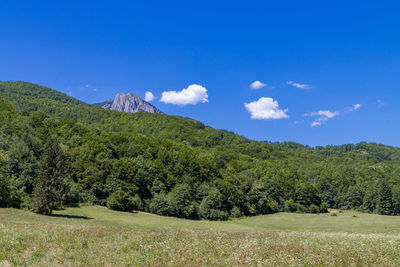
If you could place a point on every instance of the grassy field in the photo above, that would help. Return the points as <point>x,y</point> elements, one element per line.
<point>97,236</point>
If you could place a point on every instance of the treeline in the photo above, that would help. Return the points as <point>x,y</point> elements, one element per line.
<point>370,151</point>
<point>173,166</point>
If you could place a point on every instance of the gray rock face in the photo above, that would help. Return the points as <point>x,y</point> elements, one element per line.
<point>129,103</point>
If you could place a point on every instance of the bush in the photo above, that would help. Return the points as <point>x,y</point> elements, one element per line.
<point>290,205</point>
<point>324,207</point>
<point>137,203</point>
<point>73,197</point>
<point>272,207</point>
<point>313,209</point>
<point>236,213</point>
<point>4,192</point>
<point>218,215</point>
<point>120,201</point>
<point>181,203</point>
<point>212,207</point>
<point>159,205</point>
<point>301,209</point>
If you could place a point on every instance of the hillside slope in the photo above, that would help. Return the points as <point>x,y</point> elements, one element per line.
<point>177,166</point>
<point>30,97</point>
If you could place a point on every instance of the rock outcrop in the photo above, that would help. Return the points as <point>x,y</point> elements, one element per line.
<point>129,103</point>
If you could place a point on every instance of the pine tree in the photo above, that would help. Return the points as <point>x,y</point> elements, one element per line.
<point>4,187</point>
<point>385,202</point>
<point>51,185</point>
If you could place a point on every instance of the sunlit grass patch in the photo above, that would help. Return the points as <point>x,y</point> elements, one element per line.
<point>29,239</point>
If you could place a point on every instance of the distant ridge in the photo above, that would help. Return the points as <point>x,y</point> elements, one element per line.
<point>128,103</point>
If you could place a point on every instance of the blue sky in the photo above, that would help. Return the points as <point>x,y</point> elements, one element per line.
<point>346,55</point>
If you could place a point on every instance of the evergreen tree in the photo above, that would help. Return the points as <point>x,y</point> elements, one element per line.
<point>385,202</point>
<point>4,187</point>
<point>370,199</point>
<point>51,185</point>
<point>396,200</point>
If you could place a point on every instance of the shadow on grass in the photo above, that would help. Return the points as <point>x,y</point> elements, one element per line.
<point>71,216</point>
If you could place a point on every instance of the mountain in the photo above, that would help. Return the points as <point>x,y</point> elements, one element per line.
<point>176,166</point>
<point>32,97</point>
<point>129,103</point>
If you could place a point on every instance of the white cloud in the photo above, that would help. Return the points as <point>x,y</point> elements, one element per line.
<point>353,108</point>
<point>357,106</point>
<point>149,96</point>
<point>323,116</point>
<point>324,113</point>
<point>299,85</point>
<point>257,85</point>
<point>192,95</point>
<point>266,108</point>
<point>87,85</point>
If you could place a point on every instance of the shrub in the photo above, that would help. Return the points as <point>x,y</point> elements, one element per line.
<point>181,203</point>
<point>120,201</point>
<point>323,208</point>
<point>137,203</point>
<point>272,207</point>
<point>301,208</point>
<point>212,206</point>
<point>313,208</point>
<point>73,197</point>
<point>236,213</point>
<point>290,205</point>
<point>218,215</point>
<point>159,205</point>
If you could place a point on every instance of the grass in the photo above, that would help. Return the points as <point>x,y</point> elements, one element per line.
<point>97,236</point>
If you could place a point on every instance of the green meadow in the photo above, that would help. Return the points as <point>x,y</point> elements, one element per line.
<point>96,236</point>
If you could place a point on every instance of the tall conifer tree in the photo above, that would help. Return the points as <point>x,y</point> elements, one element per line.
<point>51,185</point>
<point>385,202</point>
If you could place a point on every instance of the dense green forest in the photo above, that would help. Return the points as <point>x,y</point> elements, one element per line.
<point>57,150</point>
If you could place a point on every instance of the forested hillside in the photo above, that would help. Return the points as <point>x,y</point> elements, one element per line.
<point>177,166</point>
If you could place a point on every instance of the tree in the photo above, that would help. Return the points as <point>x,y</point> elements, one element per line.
<point>370,199</point>
<point>121,201</point>
<point>290,205</point>
<point>385,202</point>
<point>307,194</point>
<point>236,212</point>
<point>4,186</point>
<point>159,205</point>
<point>212,206</point>
<point>396,199</point>
<point>23,168</point>
<point>181,202</point>
<point>260,201</point>
<point>52,184</point>
<point>354,197</point>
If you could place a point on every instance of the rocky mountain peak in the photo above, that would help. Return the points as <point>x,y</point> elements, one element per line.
<point>129,103</point>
